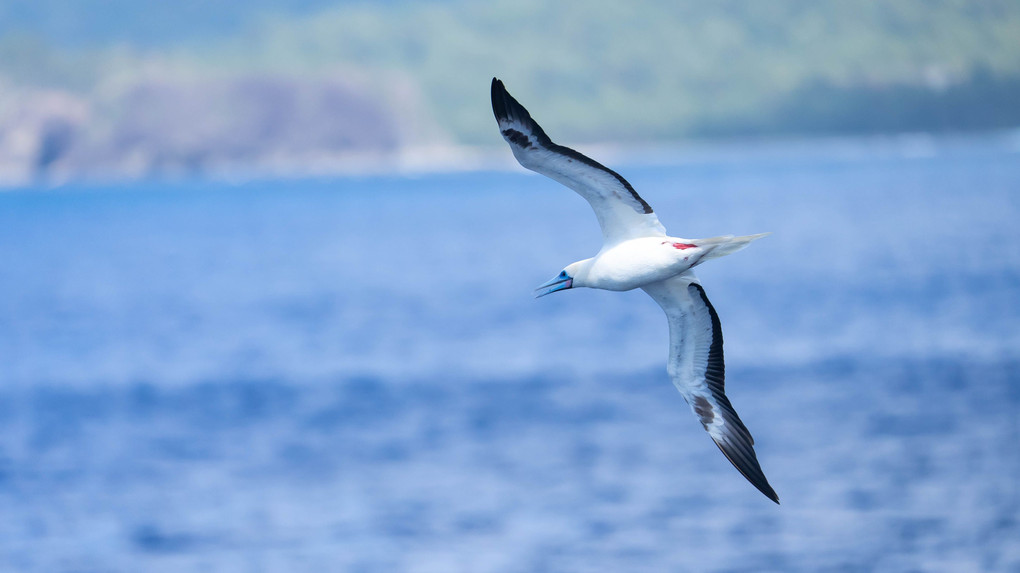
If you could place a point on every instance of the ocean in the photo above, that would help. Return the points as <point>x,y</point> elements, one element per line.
<point>351,374</point>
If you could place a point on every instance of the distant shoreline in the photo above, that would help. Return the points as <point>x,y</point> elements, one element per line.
<point>442,159</point>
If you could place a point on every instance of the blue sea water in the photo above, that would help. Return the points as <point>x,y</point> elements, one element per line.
<point>350,374</point>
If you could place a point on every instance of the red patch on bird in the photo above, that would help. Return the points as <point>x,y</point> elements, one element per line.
<point>683,246</point>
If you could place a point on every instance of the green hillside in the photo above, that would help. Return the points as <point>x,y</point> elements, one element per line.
<point>666,69</point>
<point>597,69</point>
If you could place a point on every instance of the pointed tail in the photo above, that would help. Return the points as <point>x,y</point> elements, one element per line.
<point>726,245</point>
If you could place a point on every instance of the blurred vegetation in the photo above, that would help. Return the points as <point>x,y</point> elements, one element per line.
<point>981,101</point>
<point>666,69</point>
<point>606,70</point>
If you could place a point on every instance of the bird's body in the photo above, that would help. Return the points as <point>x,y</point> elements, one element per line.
<point>637,253</point>
<point>635,263</point>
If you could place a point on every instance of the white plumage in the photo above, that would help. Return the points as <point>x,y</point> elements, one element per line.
<point>637,253</point>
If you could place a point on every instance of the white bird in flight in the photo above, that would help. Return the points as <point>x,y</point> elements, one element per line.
<point>637,253</point>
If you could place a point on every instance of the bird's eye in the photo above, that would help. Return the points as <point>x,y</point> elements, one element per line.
<point>563,274</point>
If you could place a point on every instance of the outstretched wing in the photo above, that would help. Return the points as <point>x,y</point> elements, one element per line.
<point>621,212</point>
<point>697,369</point>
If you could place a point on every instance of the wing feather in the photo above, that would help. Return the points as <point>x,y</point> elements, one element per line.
<point>698,371</point>
<point>621,212</point>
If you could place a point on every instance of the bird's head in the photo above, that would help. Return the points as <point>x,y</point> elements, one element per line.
<point>569,277</point>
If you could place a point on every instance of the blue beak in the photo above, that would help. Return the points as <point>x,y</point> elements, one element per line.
<point>559,282</point>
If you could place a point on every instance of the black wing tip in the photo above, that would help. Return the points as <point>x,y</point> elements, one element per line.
<point>498,94</point>
<point>769,492</point>
<point>747,464</point>
<point>505,107</point>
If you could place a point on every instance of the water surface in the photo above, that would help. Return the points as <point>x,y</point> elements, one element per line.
<point>350,374</point>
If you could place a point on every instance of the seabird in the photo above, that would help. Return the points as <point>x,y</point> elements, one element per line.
<point>637,253</point>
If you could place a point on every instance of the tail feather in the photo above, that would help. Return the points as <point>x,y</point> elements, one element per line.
<point>726,245</point>
<point>722,246</point>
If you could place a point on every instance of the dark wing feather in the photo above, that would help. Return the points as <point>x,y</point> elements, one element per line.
<point>622,213</point>
<point>698,371</point>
